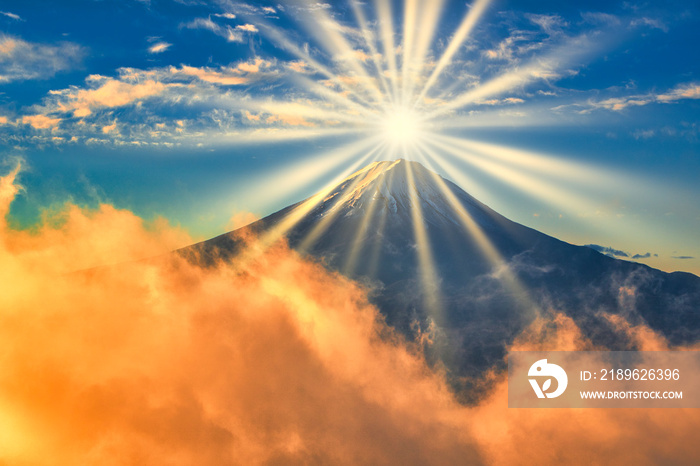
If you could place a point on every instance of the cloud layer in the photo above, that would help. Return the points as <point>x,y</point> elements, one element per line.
<point>162,362</point>
<point>21,60</point>
<point>268,360</point>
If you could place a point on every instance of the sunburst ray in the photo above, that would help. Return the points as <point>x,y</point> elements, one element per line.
<point>386,24</point>
<point>486,247</point>
<point>371,43</point>
<point>332,211</point>
<point>529,184</point>
<point>330,38</point>
<point>359,235</point>
<point>429,276</point>
<point>461,34</point>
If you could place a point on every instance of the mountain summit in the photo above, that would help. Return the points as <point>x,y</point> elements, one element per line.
<point>391,187</point>
<point>441,264</point>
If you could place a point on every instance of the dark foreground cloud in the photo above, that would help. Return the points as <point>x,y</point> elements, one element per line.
<point>271,360</point>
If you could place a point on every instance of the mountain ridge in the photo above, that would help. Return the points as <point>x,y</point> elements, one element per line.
<point>436,259</point>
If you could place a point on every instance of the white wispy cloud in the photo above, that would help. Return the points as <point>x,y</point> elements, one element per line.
<point>21,60</point>
<point>606,19</point>
<point>654,23</point>
<point>227,32</point>
<point>225,15</point>
<point>506,101</point>
<point>224,77</point>
<point>523,40</point>
<point>683,91</point>
<point>599,18</point>
<point>252,9</point>
<point>680,92</point>
<point>644,134</point>
<point>507,48</point>
<point>231,34</point>
<point>551,24</point>
<point>317,6</point>
<point>11,15</point>
<point>244,72</point>
<point>159,47</point>
<point>247,28</point>
<point>299,66</point>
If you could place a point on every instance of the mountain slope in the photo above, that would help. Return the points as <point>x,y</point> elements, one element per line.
<point>446,270</point>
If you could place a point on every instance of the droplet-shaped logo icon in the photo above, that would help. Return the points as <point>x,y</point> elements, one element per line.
<point>541,369</point>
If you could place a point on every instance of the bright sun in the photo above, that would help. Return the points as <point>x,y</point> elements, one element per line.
<point>401,126</point>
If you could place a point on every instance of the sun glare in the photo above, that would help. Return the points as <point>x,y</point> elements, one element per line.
<point>401,126</point>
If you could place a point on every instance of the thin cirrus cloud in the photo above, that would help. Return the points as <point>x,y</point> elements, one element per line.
<point>231,34</point>
<point>11,15</point>
<point>551,24</point>
<point>650,22</point>
<point>225,15</point>
<point>680,92</point>
<point>240,74</point>
<point>21,60</point>
<point>227,32</point>
<point>225,76</point>
<point>159,47</point>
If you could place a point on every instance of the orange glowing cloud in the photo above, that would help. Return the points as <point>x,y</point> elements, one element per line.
<point>110,93</point>
<point>271,360</point>
<point>241,219</point>
<point>162,362</point>
<point>581,436</point>
<point>40,121</point>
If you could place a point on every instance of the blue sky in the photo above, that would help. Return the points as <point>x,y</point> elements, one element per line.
<point>579,119</point>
